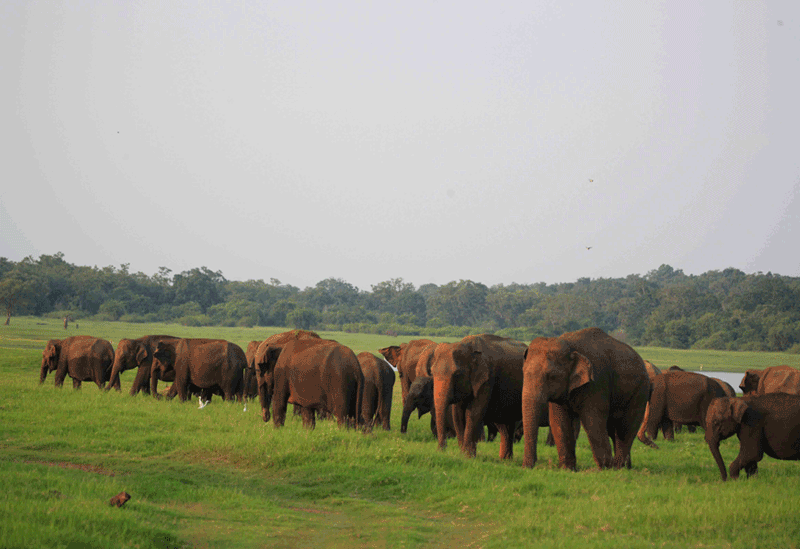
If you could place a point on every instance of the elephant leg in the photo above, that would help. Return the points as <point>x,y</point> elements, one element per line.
<point>506,432</point>
<point>61,375</point>
<point>76,383</point>
<point>668,430</point>
<point>595,426</point>
<point>563,435</point>
<point>309,421</point>
<point>459,422</point>
<point>750,452</point>
<point>279,405</point>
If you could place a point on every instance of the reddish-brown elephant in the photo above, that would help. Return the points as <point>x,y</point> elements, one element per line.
<point>482,376</point>
<point>404,357</point>
<point>317,374</point>
<point>593,376</point>
<point>83,358</point>
<point>138,354</point>
<point>681,397</point>
<point>765,424</point>
<point>208,365</point>
<point>277,340</point>
<point>779,379</point>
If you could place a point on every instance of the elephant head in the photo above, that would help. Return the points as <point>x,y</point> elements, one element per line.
<point>460,375</point>
<point>264,360</point>
<point>724,418</point>
<point>420,398</point>
<point>50,356</point>
<point>749,383</point>
<point>552,372</point>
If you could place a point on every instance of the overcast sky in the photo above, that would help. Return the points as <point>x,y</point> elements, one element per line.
<point>433,141</point>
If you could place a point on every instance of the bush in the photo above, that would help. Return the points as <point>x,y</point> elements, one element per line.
<point>195,320</point>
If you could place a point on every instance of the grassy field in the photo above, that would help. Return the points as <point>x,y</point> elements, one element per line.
<point>220,477</point>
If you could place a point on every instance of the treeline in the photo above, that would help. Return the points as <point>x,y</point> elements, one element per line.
<point>725,310</point>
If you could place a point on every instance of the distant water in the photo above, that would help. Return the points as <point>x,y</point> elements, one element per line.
<point>734,378</point>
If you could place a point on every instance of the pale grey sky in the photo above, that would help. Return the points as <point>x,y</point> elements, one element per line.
<point>433,141</point>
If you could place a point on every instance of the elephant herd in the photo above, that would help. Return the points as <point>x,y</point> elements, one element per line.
<point>583,378</point>
<point>316,375</point>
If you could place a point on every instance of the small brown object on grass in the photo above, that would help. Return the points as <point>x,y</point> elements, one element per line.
<point>120,499</point>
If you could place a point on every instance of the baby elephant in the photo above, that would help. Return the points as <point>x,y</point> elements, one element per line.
<point>765,424</point>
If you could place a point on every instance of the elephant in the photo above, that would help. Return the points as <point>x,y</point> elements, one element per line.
<point>768,423</point>
<point>652,372</point>
<point>420,398</point>
<point>378,389</point>
<point>590,375</point>
<point>317,374</point>
<point>250,378</point>
<point>83,358</point>
<point>681,397</point>
<point>749,383</point>
<point>210,365</point>
<point>779,379</point>
<point>482,375</point>
<point>138,353</point>
<point>404,357</point>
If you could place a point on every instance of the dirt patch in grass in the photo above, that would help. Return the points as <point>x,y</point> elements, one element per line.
<point>80,466</point>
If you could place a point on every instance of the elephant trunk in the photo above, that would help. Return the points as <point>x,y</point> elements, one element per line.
<point>43,372</point>
<point>713,445</point>
<point>642,434</point>
<point>442,389</point>
<point>533,405</point>
<point>404,421</point>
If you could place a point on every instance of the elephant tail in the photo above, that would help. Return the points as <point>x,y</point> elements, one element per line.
<point>359,402</point>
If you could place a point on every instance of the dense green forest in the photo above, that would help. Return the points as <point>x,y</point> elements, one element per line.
<point>725,310</point>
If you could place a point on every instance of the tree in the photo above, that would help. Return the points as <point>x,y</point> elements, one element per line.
<point>18,287</point>
<point>202,286</point>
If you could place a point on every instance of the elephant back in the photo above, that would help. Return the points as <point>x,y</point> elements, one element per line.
<point>780,379</point>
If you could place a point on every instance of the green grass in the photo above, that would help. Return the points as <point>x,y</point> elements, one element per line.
<point>220,477</point>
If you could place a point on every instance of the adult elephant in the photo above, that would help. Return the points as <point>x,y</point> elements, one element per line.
<point>378,389</point>
<point>317,374</point>
<point>680,397</point>
<point>482,375</point>
<point>207,365</point>
<point>279,339</point>
<point>420,398</point>
<point>593,376</point>
<point>767,423</point>
<point>138,354</point>
<point>652,372</point>
<point>779,379</point>
<point>83,358</point>
<point>404,357</point>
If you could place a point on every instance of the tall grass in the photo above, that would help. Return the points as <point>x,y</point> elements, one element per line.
<point>220,477</point>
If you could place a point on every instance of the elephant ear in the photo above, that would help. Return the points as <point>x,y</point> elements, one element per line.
<point>164,354</point>
<point>581,373</point>
<point>738,409</point>
<point>141,354</point>
<point>268,360</point>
